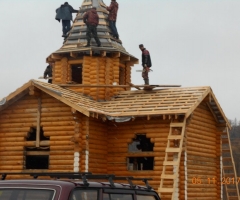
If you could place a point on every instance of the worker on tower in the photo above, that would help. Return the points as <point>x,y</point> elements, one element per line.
<point>146,63</point>
<point>91,19</point>
<point>112,18</point>
<point>64,13</point>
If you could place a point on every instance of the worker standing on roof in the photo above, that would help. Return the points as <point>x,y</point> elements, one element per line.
<point>146,63</point>
<point>48,73</point>
<point>91,19</point>
<point>112,17</point>
<point>64,13</point>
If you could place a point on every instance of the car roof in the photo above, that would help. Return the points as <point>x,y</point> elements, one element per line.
<point>71,183</point>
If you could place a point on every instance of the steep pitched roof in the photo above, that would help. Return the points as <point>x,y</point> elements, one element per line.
<point>77,38</point>
<point>180,101</point>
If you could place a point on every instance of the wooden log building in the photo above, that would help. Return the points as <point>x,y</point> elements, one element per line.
<point>89,120</point>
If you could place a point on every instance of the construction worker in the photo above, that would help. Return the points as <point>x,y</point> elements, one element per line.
<point>48,73</point>
<point>91,19</point>
<point>112,18</point>
<point>146,63</point>
<point>64,13</point>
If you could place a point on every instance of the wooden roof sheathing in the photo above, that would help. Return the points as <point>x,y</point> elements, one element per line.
<point>168,101</point>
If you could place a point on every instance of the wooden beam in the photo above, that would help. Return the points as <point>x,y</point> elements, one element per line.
<point>125,58</point>
<point>131,63</point>
<point>103,53</point>
<point>73,110</point>
<point>37,153</point>
<point>38,123</point>
<point>49,59</point>
<point>134,86</point>
<point>214,115</point>
<point>115,55</point>
<point>73,54</point>
<point>78,61</point>
<point>34,91</point>
<point>116,86</point>
<point>56,57</point>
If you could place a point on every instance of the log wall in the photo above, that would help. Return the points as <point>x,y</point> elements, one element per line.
<point>15,123</point>
<point>121,134</point>
<point>95,71</point>
<point>57,122</point>
<point>203,156</point>
<point>94,139</point>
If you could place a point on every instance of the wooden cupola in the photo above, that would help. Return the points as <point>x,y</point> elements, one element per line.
<point>100,72</point>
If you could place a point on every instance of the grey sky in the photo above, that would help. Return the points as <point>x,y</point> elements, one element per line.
<point>192,42</point>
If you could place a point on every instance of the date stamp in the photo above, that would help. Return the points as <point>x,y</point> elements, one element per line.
<point>214,180</point>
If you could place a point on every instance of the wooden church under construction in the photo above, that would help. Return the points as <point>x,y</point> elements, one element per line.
<point>89,120</point>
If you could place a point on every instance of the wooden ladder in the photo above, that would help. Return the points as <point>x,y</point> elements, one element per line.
<point>229,179</point>
<point>169,179</point>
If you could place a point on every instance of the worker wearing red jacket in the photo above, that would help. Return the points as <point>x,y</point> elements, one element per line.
<point>146,63</point>
<point>91,19</point>
<point>112,18</point>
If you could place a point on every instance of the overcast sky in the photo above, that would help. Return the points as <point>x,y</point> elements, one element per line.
<point>191,42</point>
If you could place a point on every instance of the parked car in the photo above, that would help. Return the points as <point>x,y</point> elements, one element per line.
<point>75,186</point>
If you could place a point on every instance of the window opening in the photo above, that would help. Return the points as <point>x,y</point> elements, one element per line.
<point>77,73</point>
<point>36,157</point>
<point>37,161</point>
<point>139,145</point>
<point>32,135</point>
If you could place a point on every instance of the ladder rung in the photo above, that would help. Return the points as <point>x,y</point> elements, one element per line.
<point>170,163</point>
<point>168,176</point>
<point>228,167</point>
<point>227,158</point>
<point>226,150</point>
<point>176,124</point>
<point>231,190</point>
<point>175,137</point>
<point>173,150</point>
<point>225,140</point>
<point>171,190</point>
<point>229,175</point>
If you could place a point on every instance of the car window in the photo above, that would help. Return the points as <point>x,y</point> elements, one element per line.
<point>26,194</point>
<point>79,194</point>
<point>117,196</point>
<point>145,197</point>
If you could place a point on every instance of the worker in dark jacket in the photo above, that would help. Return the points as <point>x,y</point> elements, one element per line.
<point>91,19</point>
<point>146,63</point>
<point>64,13</point>
<point>48,73</point>
<point>112,18</point>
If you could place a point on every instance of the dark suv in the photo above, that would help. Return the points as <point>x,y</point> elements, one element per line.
<point>75,186</point>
